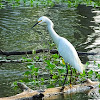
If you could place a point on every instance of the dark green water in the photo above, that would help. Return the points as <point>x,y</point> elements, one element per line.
<point>80,26</point>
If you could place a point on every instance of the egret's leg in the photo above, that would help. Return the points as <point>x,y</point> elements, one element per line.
<point>76,77</point>
<point>65,77</point>
<point>70,77</point>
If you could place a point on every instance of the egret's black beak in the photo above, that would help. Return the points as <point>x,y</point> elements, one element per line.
<point>35,24</point>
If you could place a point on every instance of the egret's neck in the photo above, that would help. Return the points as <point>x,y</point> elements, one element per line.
<point>52,33</point>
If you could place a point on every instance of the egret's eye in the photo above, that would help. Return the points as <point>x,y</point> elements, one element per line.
<point>40,21</point>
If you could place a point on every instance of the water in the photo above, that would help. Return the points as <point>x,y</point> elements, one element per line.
<point>80,26</point>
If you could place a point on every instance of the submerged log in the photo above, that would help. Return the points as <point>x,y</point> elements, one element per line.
<point>53,51</point>
<point>18,61</point>
<point>29,94</point>
<point>11,61</point>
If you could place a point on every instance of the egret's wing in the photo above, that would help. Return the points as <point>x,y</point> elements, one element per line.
<point>68,52</point>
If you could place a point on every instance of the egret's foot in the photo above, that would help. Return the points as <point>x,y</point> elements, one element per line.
<point>70,85</point>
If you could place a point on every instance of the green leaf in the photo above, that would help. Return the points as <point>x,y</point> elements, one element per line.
<point>24,58</point>
<point>14,84</point>
<point>47,61</point>
<point>33,51</point>
<point>52,66</point>
<point>42,79</point>
<point>37,57</point>
<point>36,74</point>
<point>29,60</point>
<point>27,73</point>
<point>61,70</point>
<point>99,88</point>
<point>26,80</point>
<point>31,66</point>
<point>55,77</point>
<point>90,72</point>
<point>47,67</point>
<point>87,63</point>
<point>99,65</point>
<point>36,69</point>
<point>55,56</point>
<point>94,62</point>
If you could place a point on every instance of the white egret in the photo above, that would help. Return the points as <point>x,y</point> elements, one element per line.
<point>65,48</point>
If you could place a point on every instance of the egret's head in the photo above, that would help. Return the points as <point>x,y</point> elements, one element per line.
<point>43,19</point>
<point>40,20</point>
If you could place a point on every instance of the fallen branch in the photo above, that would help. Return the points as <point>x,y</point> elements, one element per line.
<point>11,61</point>
<point>53,51</point>
<point>29,94</point>
<point>18,61</point>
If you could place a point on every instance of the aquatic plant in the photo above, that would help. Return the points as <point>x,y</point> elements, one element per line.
<point>49,71</point>
<point>69,3</point>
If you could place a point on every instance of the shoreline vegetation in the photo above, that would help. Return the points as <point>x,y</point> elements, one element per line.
<point>47,3</point>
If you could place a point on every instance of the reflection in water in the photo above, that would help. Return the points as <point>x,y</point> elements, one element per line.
<point>96,29</point>
<point>90,31</point>
<point>95,36</point>
<point>89,95</point>
<point>74,96</point>
<point>80,26</point>
<point>85,22</point>
<point>94,94</point>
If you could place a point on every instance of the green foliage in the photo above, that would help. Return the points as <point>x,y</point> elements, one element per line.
<point>55,71</point>
<point>99,65</point>
<point>33,71</point>
<point>14,85</point>
<point>27,59</point>
<point>70,3</point>
<point>51,71</point>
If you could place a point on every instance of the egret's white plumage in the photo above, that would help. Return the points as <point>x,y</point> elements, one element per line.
<point>65,48</point>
